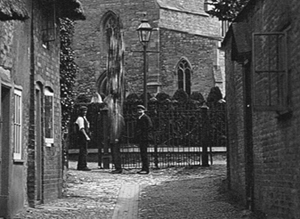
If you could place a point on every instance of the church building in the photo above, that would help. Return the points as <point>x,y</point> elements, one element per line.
<point>183,51</point>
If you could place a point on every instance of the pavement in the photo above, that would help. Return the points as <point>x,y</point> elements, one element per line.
<point>174,192</point>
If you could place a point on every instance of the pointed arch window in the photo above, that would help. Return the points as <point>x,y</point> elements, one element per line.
<point>111,27</point>
<point>113,35</point>
<point>184,75</point>
<point>111,30</point>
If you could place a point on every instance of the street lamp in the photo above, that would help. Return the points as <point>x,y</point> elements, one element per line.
<point>144,31</point>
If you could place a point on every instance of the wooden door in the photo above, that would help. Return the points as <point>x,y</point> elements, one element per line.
<point>4,141</point>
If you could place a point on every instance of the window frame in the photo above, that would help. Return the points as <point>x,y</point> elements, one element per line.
<point>282,85</point>
<point>18,125</point>
<point>48,92</point>
<point>48,23</point>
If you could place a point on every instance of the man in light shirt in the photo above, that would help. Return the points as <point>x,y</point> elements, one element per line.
<point>83,126</point>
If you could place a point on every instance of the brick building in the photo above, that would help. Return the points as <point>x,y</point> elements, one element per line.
<point>30,146</point>
<point>263,93</point>
<point>183,51</point>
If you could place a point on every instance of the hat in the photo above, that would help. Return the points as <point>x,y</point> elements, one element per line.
<point>82,108</point>
<point>141,107</point>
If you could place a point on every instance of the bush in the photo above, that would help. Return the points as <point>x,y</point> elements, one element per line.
<point>181,96</point>
<point>214,95</point>
<point>133,97</point>
<point>148,96</point>
<point>162,96</point>
<point>197,96</point>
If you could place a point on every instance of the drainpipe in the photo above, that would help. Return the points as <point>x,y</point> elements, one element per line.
<point>31,143</point>
<point>228,175</point>
<point>249,166</point>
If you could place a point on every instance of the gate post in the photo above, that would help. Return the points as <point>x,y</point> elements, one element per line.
<point>205,140</point>
<point>99,137</point>
<point>155,151</point>
<point>106,156</point>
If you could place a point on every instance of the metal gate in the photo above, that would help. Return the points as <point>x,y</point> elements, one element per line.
<point>184,134</point>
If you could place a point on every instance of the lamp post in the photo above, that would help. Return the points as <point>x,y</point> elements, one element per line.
<point>144,32</point>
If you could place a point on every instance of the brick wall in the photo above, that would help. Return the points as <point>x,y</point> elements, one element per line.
<point>235,117</point>
<point>13,178</point>
<point>46,67</point>
<point>199,23</point>
<point>275,139</point>
<point>19,183</point>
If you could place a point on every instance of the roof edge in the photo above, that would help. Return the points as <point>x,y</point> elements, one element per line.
<point>218,38</point>
<point>13,10</point>
<point>183,11</point>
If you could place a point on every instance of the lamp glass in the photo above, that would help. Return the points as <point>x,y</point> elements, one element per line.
<point>145,36</point>
<point>144,31</point>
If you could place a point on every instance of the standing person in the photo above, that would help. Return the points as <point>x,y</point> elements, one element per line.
<point>143,131</point>
<point>83,126</point>
<point>116,156</point>
<point>114,127</point>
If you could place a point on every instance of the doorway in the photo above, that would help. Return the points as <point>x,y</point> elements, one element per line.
<point>39,145</point>
<point>4,148</point>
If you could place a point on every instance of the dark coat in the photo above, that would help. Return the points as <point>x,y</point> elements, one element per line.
<point>144,129</point>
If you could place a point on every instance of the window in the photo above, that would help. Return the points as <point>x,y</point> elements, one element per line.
<point>48,23</point>
<point>208,5</point>
<point>184,76</point>
<point>49,116</point>
<point>18,125</point>
<point>113,46</point>
<point>224,27</point>
<point>270,71</point>
<point>110,26</point>
<point>102,83</point>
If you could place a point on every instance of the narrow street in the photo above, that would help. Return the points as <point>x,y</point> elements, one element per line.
<point>175,192</point>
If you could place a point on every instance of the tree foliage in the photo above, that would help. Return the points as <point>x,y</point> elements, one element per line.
<point>226,9</point>
<point>68,70</point>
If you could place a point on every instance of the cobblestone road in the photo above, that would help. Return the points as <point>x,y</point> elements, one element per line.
<point>175,193</point>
